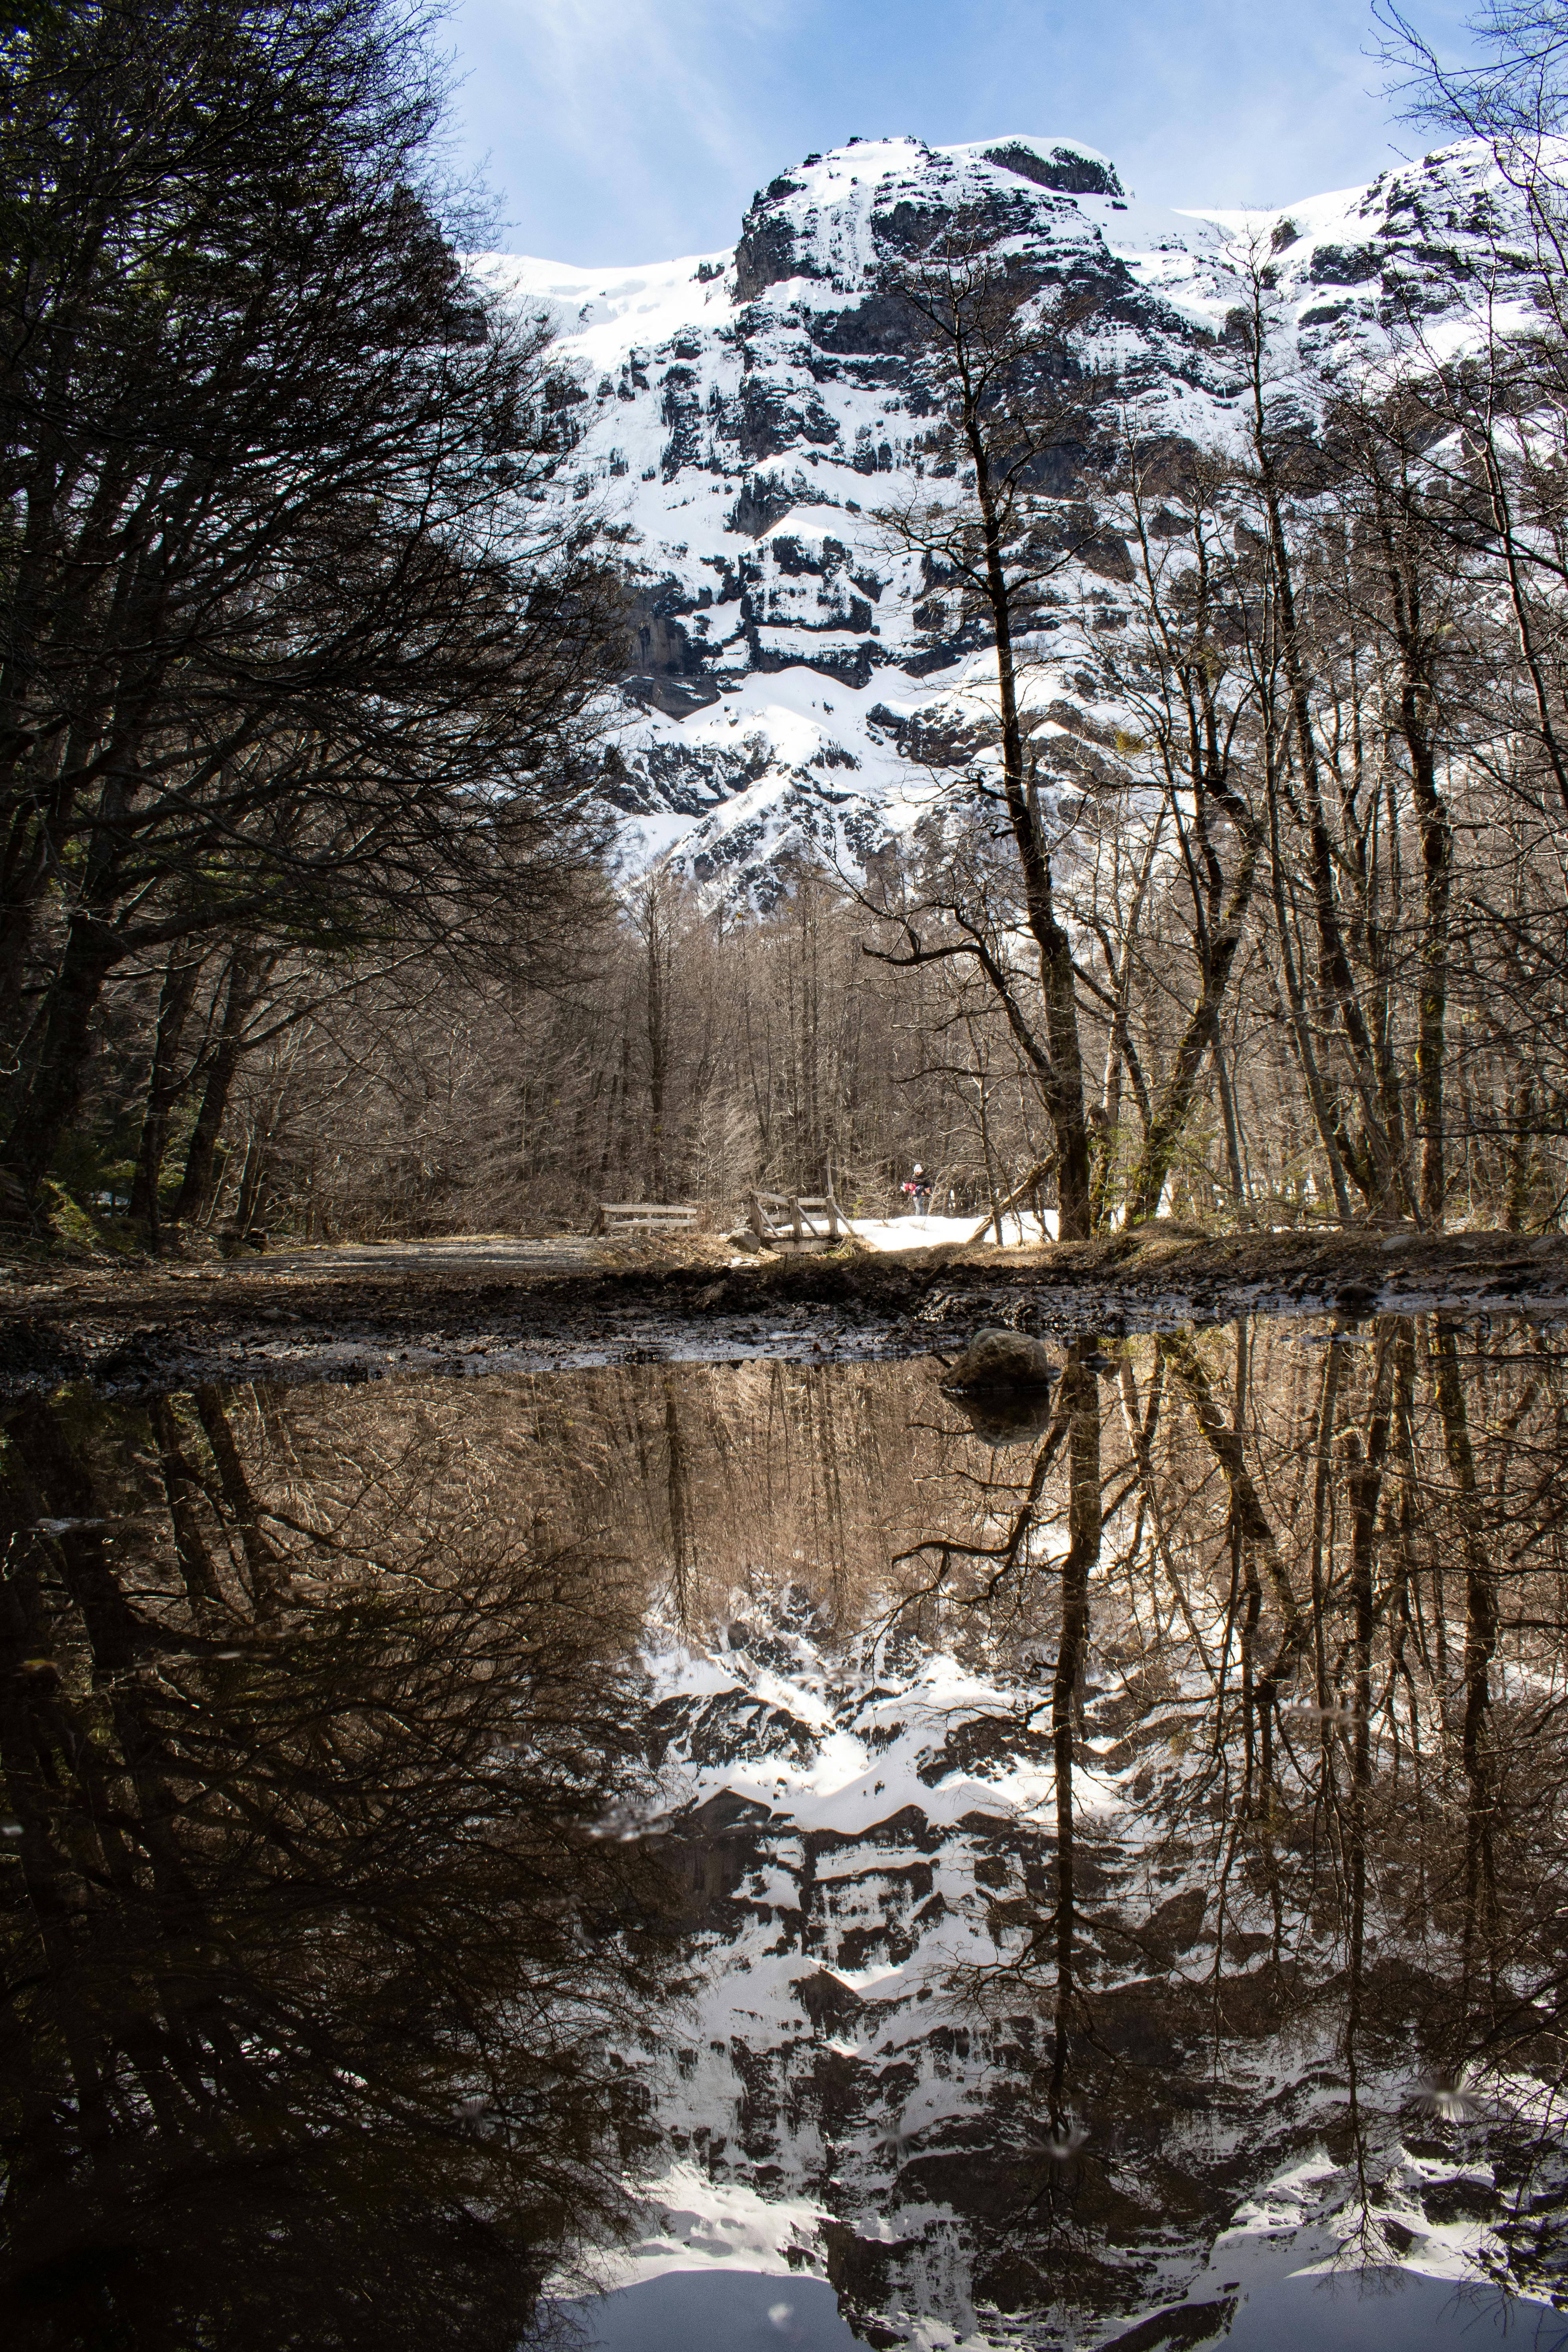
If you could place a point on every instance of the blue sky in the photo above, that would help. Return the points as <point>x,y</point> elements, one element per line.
<point>634,129</point>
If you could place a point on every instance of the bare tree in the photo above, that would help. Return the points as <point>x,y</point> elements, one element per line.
<point>1001,360</point>
<point>290,642</point>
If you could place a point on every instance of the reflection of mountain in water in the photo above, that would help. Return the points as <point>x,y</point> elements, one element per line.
<point>1140,1907</point>
<point>1113,1868</point>
<point>870,1865</point>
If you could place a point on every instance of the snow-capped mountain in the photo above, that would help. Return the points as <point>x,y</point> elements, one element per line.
<point>743,415</point>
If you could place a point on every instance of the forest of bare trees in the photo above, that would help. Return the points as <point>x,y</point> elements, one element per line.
<point>308,923</point>
<point>296,655</point>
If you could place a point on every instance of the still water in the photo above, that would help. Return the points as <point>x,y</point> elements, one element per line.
<point>721,1856</point>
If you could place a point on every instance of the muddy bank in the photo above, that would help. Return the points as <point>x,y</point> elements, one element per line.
<point>470,1308</point>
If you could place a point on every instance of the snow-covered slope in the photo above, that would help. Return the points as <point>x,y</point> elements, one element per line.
<point>745,412</point>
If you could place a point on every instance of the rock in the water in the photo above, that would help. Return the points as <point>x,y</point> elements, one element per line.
<point>1002,1360</point>
<point>1015,1416</point>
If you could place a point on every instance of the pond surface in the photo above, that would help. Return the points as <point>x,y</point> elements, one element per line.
<point>712,1855</point>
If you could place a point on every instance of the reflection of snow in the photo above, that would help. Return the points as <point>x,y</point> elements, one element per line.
<point>874,1859</point>
<point>1308,2229</point>
<point>870,1760</point>
<point>694,2222</point>
<point>713,2310</point>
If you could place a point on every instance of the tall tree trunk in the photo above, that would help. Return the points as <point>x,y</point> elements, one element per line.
<point>48,1097</point>
<point>164,1087</point>
<point>248,971</point>
<point>656,1010</point>
<point>1325,1116</point>
<point>1512,543</point>
<point>1174,1106</point>
<point>1335,975</point>
<point>1521,1157</point>
<point>1059,988</point>
<point>1431,1034</point>
<point>1397,513</point>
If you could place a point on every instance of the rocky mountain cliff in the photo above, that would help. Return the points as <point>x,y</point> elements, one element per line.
<point>742,415</point>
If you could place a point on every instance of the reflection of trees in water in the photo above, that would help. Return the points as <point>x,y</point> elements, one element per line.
<point>1319,1600</point>
<point>1312,1598</point>
<point>707,1479</point>
<point>309,1968</point>
<point>309,1977</point>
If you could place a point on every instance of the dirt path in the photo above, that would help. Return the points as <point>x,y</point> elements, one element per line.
<point>494,1304</point>
<point>459,1254</point>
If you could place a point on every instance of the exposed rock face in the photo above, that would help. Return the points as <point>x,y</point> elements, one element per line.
<point>769,249</point>
<point>1071,169</point>
<point>744,415</point>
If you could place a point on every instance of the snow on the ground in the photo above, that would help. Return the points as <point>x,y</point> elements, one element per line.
<point>925,1233</point>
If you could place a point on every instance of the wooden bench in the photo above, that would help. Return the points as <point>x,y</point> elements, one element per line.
<point>646,1217</point>
<point>798,1220</point>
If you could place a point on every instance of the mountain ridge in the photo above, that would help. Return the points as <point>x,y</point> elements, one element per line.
<point>739,415</point>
